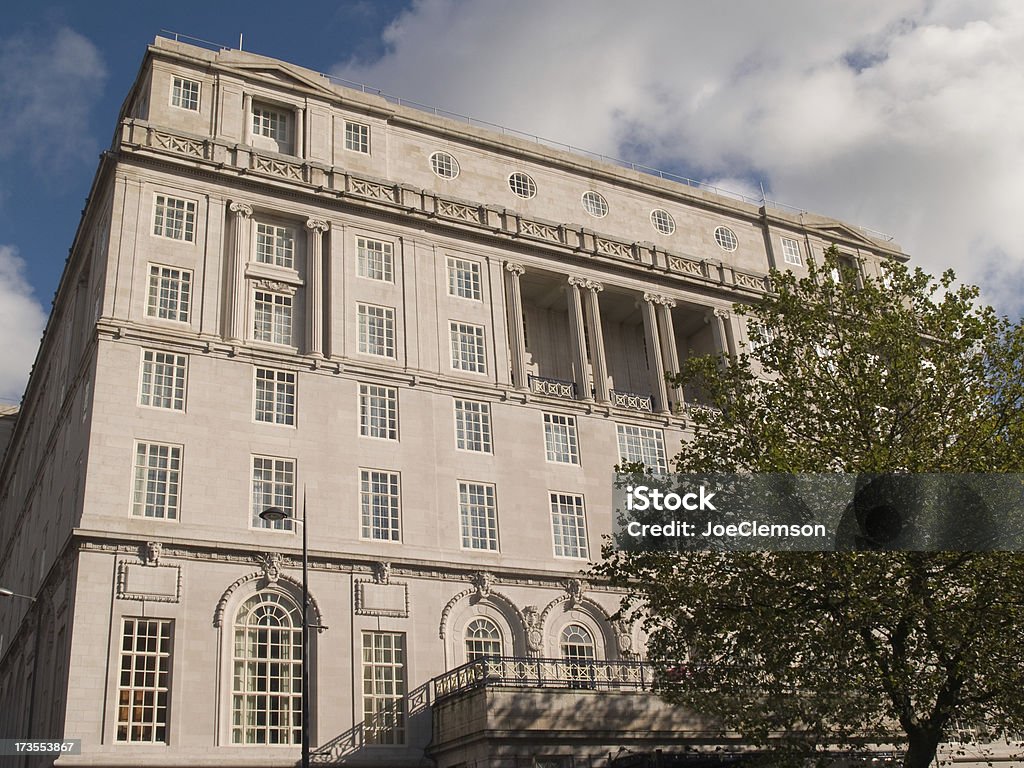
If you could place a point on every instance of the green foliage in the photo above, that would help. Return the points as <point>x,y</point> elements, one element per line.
<point>817,649</point>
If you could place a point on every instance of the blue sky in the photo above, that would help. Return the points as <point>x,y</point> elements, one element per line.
<point>903,115</point>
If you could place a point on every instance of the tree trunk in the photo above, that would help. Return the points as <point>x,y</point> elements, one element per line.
<point>921,748</point>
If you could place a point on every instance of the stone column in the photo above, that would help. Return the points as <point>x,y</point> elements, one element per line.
<point>597,355</point>
<point>654,359</point>
<point>730,331</point>
<point>514,310</point>
<point>315,287</point>
<point>236,281</point>
<point>247,118</point>
<point>299,145</point>
<point>669,351</point>
<point>579,342</point>
<point>713,318</point>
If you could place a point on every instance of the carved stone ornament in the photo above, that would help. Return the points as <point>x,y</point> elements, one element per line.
<point>382,573</point>
<point>271,565</point>
<point>151,553</point>
<point>579,282</point>
<point>276,286</point>
<point>593,285</point>
<point>515,269</point>
<point>244,210</point>
<point>483,581</point>
<point>318,225</point>
<point>657,298</point>
<point>534,634</point>
<point>574,589</point>
<point>623,639</point>
<point>722,313</point>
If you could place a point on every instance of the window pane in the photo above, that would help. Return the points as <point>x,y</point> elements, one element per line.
<point>569,525</point>
<point>478,517</point>
<point>560,438</point>
<point>378,412</point>
<point>642,444</point>
<point>384,687</point>
<point>143,693</point>
<point>473,426</point>
<point>266,701</point>
<point>379,504</point>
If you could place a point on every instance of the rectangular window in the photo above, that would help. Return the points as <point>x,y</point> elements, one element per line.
<point>378,411</point>
<point>642,444</point>
<point>275,396</point>
<point>374,259</point>
<point>477,516</point>
<point>275,245</point>
<point>791,252</point>
<point>145,675</point>
<point>376,330</point>
<point>463,278</point>
<point>473,426</point>
<point>174,218</point>
<point>185,94</point>
<point>560,440</point>
<point>269,122</point>
<point>272,317</point>
<point>273,485</point>
<point>357,137</point>
<point>157,486</point>
<point>468,347</point>
<point>384,687</point>
<point>170,290</point>
<point>163,380</point>
<point>379,503</point>
<point>569,525</point>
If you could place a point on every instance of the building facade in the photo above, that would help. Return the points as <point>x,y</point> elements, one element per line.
<point>430,340</point>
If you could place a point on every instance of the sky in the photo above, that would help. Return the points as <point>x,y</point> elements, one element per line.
<point>905,116</point>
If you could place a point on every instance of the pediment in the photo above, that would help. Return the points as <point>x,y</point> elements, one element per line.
<point>282,75</point>
<point>840,232</point>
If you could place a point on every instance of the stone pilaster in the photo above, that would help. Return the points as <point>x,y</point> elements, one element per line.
<point>236,283</point>
<point>315,287</point>
<point>597,353</point>
<point>579,343</point>
<point>514,308</point>
<point>655,363</point>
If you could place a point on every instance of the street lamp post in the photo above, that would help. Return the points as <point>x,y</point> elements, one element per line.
<point>273,515</point>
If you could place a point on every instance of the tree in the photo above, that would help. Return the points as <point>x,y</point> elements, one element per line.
<point>847,374</point>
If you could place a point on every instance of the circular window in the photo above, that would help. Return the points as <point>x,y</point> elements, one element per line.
<point>663,221</point>
<point>444,165</point>
<point>595,205</point>
<point>726,239</point>
<point>522,185</point>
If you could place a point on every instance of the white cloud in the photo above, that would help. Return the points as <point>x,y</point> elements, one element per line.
<point>22,319</point>
<point>902,115</point>
<point>48,87</point>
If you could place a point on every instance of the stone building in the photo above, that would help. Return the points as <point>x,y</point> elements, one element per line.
<point>431,339</point>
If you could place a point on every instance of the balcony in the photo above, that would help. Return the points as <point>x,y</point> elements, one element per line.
<point>502,711</point>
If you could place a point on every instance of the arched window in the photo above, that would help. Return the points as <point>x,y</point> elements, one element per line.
<point>577,642</point>
<point>577,647</point>
<point>266,687</point>
<point>482,639</point>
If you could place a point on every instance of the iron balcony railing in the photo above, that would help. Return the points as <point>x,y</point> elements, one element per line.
<point>544,385</point>
<point>521,672</point>
<point>633,400</point>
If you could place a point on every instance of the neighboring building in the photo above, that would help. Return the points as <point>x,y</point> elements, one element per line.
<point>436,340</point>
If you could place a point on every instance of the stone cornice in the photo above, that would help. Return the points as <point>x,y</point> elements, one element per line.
<point>91,540</point>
